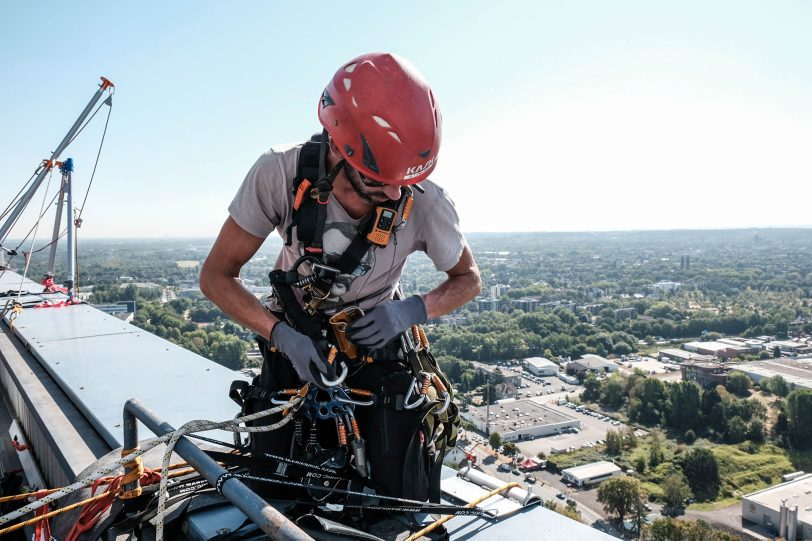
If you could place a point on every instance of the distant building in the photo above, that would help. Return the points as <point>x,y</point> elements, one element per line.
<point>796,372</point>
<point>489,305</point>
<point>704,373</point>
<point>527,304</point>
<point>552,305</point>
<point>680,356</point>
<point>790,348</point>
<point>539,366</point>
<point>498,290</point>
<point>590,363</point>
<point>593,308</point>
<point>520,420</point>
<point>624,313</point>
<point>591,474</point>
<point>719,349</point>
<point>664,286</point>
<point>783,509</point>
<point>120,307</point>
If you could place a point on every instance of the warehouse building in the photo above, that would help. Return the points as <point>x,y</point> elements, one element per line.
<point>519,420</point>
<point>796,372</point>
<point>784,510</point>
<point>591,474</point>
<point>590,363</point>
<point>539,366</point>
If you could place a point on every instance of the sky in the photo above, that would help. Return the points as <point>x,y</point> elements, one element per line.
<point>558,116</point>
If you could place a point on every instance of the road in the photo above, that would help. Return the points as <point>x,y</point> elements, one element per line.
<point>547,488</point>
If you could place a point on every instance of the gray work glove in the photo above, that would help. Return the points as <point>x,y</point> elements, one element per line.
<point>306,358</point>
<point>386,321</point>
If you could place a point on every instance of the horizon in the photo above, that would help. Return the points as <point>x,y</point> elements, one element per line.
<point>557,118</point>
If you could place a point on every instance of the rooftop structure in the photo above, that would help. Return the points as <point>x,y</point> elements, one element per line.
<point>591,363</point>
<point>725,351</point>
<point>797,373</point>
<point>790,347</point>
<point>590,474</point>
<point>540,366</point>
<point>520,419</point>
<point>680,355</point>
<point>764,508</point>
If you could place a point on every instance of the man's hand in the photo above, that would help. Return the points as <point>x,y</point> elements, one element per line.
<point>385,322</point>
<point>302,352</point>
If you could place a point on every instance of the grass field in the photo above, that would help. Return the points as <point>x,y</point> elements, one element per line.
<point>743,468</point>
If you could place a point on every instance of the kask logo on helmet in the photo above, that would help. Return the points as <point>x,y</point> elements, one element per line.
<point>418,170</point>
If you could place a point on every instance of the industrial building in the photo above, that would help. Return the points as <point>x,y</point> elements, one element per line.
<point>591,363</point>
<point>680,356</point>
<point>796,372</point>
<point>591,474</point>
<point>704,373</point>
<point>719,349</point>
<point>539,366</point>
<point>784,510</point>
<point>520,420</point>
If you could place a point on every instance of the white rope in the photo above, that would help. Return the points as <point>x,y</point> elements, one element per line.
<point>200,426</point>
<point>34,238</point>
<point>115,466</point>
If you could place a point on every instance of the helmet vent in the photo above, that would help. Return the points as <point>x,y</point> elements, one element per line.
<point>326,100</point>
<point>395,137</point>
<point>369,158</point>
<point>349,68</point>
<point>355,103</point>
<point>431,99</point>
<point>381,122</point>
<point>425,153</point>
<point>347,83</point>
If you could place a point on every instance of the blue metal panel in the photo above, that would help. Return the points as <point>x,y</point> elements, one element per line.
<point>100,362</point>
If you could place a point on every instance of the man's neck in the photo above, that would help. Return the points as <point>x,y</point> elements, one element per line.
<point>345,194</point>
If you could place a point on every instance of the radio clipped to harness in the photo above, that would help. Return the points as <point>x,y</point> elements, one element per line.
<point>382,226</point>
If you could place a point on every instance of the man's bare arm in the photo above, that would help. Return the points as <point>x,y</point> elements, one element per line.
<point>462,285</point>
<point>219,278</point>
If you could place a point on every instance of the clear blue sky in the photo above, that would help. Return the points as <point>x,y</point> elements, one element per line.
<point>558,116</point>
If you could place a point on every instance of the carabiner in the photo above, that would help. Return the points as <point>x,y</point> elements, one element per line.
<point>422,398</point>
<point>342,375</point>
<point>447,398</point>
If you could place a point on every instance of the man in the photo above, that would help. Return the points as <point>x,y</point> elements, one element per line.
<point>382,131</point>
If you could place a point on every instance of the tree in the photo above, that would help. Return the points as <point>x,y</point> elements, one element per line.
<point>621,496</point>
<point>799,418</point>
<point>739,384</point>
<point>612,393</point>
<point>655,452</point>
<point>701,469</point>
<point>684,405</point>
<point>640,464</point>
<point>689,437</point>
<point>592,388</point>
<point>778,385</point>
<point>676,490</point>
<point>776,352</point>
<point>614,443</point>
<point>510,449</point>
<point>495,440</point>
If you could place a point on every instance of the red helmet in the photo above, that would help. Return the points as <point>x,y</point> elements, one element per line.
<point>382,116</point>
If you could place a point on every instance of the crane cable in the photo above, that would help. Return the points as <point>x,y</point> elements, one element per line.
<point>34,238</point>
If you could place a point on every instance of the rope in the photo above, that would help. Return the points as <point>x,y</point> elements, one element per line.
<point>34,238</point>
<point>107,470</point>
<point>52,514</point>
<point>443,520</point>
<point>200,426</point>
<point>98,154</point>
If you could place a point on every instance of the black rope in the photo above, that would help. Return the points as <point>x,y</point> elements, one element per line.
<point>85,124</point>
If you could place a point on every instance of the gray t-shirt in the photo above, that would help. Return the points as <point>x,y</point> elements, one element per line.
<point>264,202</point>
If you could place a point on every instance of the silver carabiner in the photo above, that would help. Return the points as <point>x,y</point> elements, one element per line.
<point>410,406</point>
<point>342,375</point>
<point>447,398</point>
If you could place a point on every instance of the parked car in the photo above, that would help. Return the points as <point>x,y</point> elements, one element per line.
<point>503,467</point>
<point>561,496</point>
